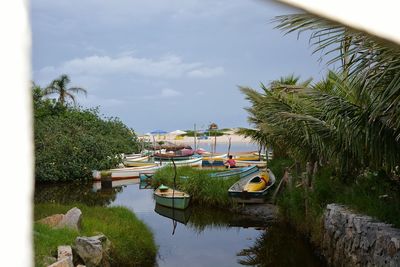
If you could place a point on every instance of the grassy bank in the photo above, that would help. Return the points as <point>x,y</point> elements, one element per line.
<point>132,242</point>
<point>204,190</point>
<point>372,194</point>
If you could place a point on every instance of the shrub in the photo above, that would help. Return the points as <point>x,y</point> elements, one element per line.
<point>71,142</point>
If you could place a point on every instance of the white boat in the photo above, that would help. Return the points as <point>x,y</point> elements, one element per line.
<point>136,158</point>
<point>125,173</point>
<point>196,161</point>
<point>132,163</point>
<point>245,163</point>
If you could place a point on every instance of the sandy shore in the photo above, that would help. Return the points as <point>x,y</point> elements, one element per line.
<point>234,139</point>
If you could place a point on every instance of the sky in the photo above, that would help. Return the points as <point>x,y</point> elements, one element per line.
<point>166,64</point>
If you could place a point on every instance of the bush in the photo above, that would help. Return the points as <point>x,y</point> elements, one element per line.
<point>71,142</point>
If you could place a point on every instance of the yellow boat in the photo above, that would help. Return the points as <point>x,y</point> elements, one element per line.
<point>258,183</point>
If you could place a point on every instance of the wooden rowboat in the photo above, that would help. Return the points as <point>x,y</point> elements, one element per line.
<point>171,198</point>
<point>194,161</point>
<point>124,173</point>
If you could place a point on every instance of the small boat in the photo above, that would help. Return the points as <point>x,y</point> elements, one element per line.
<point>240,172</point>
<point>124,173</point>
<point>128,163</point>
<point>171,198</point>
<point>259,163</point>
<point>247,157</point>
<point>178,215</point>
<point>256,189</point>
<point>136,158</point>
<point>193,161</point>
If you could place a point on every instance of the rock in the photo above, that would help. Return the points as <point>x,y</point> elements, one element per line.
<point>66,262</point>
<point>48,260</point>
<point>72,219</point>
<point>64,252</point>
<point>351,239</point>
<point>94,251</point>
<point>52,220</point>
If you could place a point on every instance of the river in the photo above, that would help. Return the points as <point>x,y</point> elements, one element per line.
<point>201,237</point>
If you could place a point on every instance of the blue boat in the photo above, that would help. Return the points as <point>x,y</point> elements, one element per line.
<point>241,172</point>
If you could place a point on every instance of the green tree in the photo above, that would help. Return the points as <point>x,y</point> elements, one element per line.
<point>59,86</point>
<point>70,142</point>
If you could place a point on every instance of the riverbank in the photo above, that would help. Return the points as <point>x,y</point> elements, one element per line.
<point>118,224</point>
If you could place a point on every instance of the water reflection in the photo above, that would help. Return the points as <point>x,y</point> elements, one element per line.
<point>279,245</point>
<point>67,193</point>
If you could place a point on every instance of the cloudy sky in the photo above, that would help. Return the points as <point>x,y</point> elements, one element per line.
<point>166,64</point>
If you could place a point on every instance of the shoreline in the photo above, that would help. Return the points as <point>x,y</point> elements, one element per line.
<point>234,138</point>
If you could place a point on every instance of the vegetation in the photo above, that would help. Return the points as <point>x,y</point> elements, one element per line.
<point>70,141</point>
<point>343,132</point>
<point>132,242</point>
<point>203,189</point>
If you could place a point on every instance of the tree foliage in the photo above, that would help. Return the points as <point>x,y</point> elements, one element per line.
<point>70,141</point>
<point>350,119</point>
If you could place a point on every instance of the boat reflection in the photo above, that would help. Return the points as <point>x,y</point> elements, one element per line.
<point>178,215</point>
<point>107,184</point>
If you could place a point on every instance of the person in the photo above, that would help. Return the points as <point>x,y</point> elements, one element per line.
<point>230,163</point>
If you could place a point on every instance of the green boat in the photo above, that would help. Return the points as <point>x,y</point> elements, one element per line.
<point>171,198</point>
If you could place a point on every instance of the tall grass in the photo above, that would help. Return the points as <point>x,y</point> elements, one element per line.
<point>132,241</point>
<point>203,189</point>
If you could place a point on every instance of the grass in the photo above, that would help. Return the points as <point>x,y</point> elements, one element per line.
<point>371,194</point>
<point>203,189</point>
<point>132,242</point>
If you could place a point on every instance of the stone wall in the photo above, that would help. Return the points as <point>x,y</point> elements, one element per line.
<point>351,239</point>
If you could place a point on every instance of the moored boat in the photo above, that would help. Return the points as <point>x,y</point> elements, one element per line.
<point>193,161</point>
<point>138,163</point>
<point>257,193</point>
<point>258,163</point>
<point>240,172</point>
<point>124,173</point>
<point>171,198</point>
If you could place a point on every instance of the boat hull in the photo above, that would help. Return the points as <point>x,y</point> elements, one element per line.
<point>241,172</point>
<point>176,200</point>
<point>258,163</point>
<point>125,173</point>
<point>190,162</point>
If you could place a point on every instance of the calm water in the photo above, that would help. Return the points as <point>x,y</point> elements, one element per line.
<point>201,237</point>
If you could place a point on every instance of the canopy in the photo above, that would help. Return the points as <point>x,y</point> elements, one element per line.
<point>178,132</point>
<point>158,132</point>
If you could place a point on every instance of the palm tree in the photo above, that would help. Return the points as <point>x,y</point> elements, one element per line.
<point>59,86</point>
